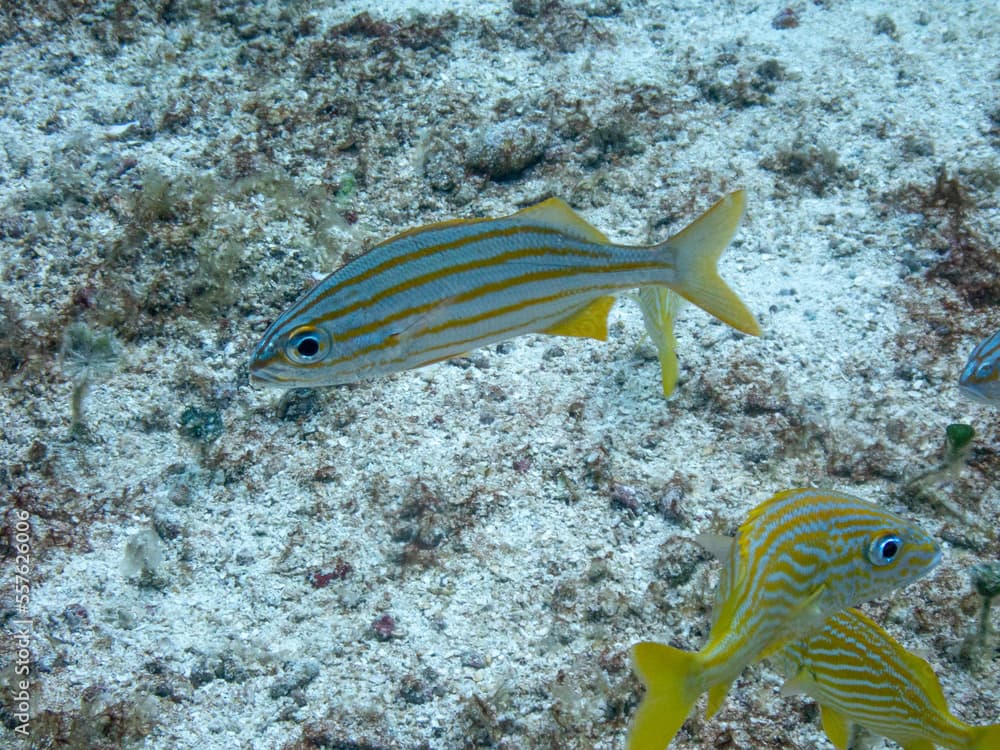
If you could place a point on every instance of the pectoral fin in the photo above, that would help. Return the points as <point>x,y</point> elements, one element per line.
<point>803,621</point>
<point>797,683</point>
<point>811,615</point>
<point>717,545</point>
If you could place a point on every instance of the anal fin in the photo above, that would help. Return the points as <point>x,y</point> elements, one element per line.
<point>590,322</point>
<point>716,695</point>
<point>836,726</point>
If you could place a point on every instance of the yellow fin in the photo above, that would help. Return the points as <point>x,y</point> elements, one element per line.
<point>806,620</point>
<point>590,322</point>
<point>798,683</point>
<point>984,738</point>
<point>432,227</point>
<point>836,726</point>
<point>718,546</point>
<point>557,214</point>
<point>812,616</point>
<point>668,675</point>
<point>922,745</point>
<point>659,307</point>
<point>694,253</point>
<point>716,695</point>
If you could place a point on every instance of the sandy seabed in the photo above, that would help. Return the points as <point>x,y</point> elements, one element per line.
<point>460,556</point>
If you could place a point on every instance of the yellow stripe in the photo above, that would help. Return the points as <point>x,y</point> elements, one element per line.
<point>480,291</point>
<point>427,278</point>
<point>392,341</point>
<point>397,260</point>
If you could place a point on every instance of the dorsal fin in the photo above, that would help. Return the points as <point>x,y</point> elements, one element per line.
<point>435,226</point>
<point>557,214</point>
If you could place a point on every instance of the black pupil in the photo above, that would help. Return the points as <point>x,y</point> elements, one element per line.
<point>308,347</point>
<point>889,549</point>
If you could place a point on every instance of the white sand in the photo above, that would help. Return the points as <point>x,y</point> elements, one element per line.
<point>514,633</point>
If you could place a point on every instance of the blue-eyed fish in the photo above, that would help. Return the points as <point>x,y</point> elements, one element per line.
<point>859,674</point>
<point>798,558</point>
<point>980,379</point>
<point>441,290</point>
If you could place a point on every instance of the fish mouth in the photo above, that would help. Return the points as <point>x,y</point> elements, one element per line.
<point>264,373</point>
<point>262,361</point>
<point>260,373</point>
<point>260,378</point>
<point>932,560</point>
<point>268,378</point>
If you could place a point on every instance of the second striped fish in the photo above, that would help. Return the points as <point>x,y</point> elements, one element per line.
<point>798,558</point>
<point>859,674</point>
<point>441,290</point>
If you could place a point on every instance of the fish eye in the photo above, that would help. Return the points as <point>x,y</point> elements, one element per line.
<point>984,371</point>
<point>884,549</point>
<point>307,345</point>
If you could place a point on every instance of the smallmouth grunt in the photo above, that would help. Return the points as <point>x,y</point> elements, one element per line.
<point>859,674</point>
<point>438,291</point>
<point>798,558</point>
<point>980,379</point>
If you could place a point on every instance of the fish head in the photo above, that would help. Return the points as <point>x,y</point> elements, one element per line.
<point>980,380</point>
<point>303,349</point>
<point>897,554</point>
<point>292,356</point>
<point>828,550</point>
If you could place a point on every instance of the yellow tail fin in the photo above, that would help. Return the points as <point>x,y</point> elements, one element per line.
<point>667,674</point>
<point>985,738</point>
<point>694,253</point>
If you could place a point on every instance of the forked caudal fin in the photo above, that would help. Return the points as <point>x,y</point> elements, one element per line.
<point>666,672</point>
<point>694,253</point>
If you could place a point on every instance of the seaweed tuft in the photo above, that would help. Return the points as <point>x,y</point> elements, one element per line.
<point>87,356</point>
<point>102,722</point>
<point>967,260</point>
<point>16,344</point>
<point>815,167</point>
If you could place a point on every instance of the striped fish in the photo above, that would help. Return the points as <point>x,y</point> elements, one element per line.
<point>798,558</point>
<point>438,291</point>
<point>859,674</point>
<point>980,379</point>
<point>660,306</point>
